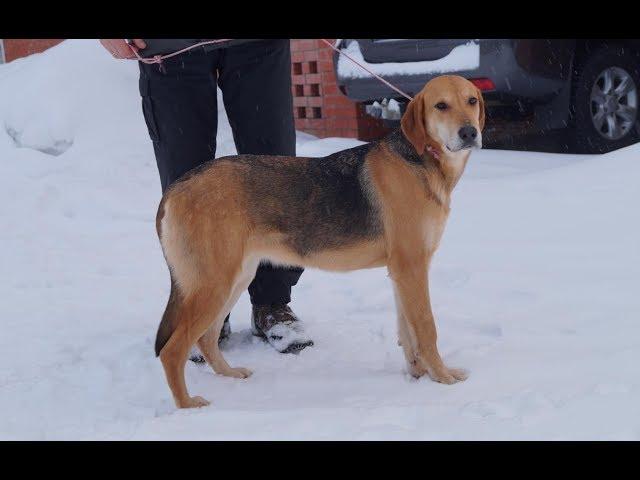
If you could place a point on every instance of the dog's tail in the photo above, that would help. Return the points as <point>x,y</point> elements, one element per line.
<point>168,322</point>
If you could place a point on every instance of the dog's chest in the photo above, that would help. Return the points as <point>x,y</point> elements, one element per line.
<point>433,229</point>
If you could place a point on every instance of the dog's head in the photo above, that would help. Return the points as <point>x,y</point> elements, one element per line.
<point>447,115</point>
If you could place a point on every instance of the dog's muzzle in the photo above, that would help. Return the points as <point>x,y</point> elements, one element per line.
<point>468,137</point>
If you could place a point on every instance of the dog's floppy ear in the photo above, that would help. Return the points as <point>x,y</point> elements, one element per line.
<point>413,124</point>
<point>481,107</point>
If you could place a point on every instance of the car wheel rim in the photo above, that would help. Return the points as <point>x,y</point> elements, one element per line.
<point>614,103</point>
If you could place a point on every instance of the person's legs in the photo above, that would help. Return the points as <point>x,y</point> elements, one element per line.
<point>255,79</point>
<point>180,108</point>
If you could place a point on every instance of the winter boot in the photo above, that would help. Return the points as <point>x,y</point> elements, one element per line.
<point>279,326</point>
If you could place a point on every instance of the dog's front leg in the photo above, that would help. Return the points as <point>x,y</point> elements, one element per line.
<point>416,324</point>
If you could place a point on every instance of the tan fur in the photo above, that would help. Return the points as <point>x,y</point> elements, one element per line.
<point>213,248</point>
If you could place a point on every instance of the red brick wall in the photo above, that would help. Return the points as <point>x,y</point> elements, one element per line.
<point>21,47</point>
<point>318,105</point>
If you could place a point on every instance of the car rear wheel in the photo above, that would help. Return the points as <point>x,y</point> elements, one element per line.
<point>606,101</point>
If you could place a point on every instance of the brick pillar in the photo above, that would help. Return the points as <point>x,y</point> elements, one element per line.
<point>21,47</point>
<point>319,107</point>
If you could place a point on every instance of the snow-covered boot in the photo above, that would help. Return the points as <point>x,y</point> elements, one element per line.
<point>280,327</point>
<point>195,355</point>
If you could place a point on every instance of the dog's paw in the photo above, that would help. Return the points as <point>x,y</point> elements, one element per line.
<point>447,375</point>
<point>195,402</point>
<point>416,370</point>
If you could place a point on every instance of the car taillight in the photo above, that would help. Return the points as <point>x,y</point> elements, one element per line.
<point>483,84</point>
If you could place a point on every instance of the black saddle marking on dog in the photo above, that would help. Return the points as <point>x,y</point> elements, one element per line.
<point>319,203</point>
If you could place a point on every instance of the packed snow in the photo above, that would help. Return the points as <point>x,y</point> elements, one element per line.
<point>462,57</point>
<point>535,291</point>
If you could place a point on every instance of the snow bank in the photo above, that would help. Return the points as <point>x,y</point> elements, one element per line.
<point>534,290</point>
<point>462,57</point>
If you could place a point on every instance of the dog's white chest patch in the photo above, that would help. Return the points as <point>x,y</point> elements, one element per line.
<point>433,233</point>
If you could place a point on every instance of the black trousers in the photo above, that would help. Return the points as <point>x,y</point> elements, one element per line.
<point>179,102</point>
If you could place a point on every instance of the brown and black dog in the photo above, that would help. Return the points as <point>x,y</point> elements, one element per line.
<point>380,204</point>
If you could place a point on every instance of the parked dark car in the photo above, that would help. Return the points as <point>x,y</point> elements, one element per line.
<point>589,88</point>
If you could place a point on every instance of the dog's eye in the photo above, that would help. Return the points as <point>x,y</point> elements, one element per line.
<point>473,101</point>
<point>442,106</point>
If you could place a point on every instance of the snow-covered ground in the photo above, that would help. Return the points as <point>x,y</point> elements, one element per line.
<point>535,290</point>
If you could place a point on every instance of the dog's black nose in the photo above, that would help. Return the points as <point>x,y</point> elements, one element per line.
<point>468,133</point>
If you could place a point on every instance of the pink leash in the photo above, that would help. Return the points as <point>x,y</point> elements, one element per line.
<point>159,58</point>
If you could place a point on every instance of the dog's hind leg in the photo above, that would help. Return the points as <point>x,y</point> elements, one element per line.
<point>208,343</point>
<point>194,317</point>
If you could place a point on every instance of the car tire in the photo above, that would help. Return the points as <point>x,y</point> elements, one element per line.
<point>605,112</point>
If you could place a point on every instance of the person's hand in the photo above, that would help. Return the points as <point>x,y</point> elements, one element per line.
<point>118,48</point>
